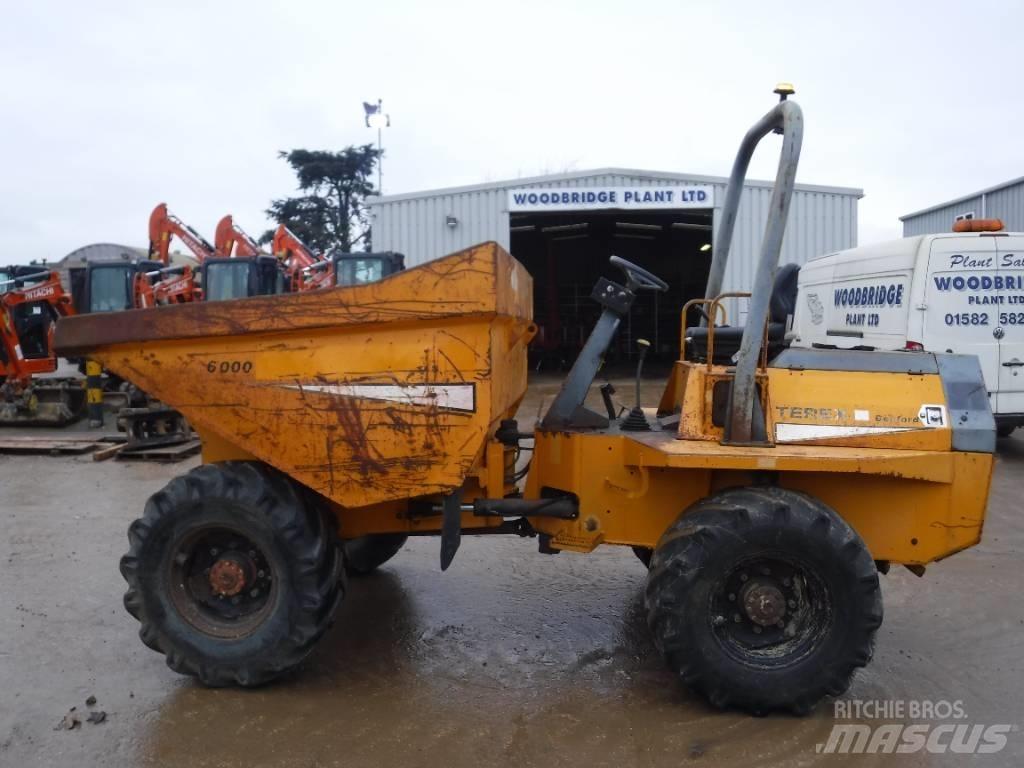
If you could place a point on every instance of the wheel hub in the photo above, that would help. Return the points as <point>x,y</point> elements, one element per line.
<point>763,602</point>
<point>228,576</point>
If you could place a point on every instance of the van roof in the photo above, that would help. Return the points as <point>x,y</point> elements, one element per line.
<point>905,248</point>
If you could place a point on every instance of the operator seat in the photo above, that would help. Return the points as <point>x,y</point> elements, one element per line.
<point>727,338</point>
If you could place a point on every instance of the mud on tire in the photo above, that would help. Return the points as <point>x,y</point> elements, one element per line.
<point>763,599</point>
<point>231,575</point>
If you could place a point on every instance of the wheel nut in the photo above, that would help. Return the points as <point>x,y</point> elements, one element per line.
<point>791,603</point>
<point>736,618</point>
<point>757,630</point>
<point>786,582</point>
<point>214,551</point>
<point>732,597</point>
<point>227,577</point>
<point>743,577</point>
<point>254,593</point>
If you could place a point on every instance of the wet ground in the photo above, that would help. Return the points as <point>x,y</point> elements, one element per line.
<point>510,658</point>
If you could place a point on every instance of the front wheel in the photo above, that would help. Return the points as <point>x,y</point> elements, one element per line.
<point>231,575</point>
<point>763,599</point>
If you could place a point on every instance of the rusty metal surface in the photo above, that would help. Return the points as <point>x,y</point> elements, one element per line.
<point>227,577</point>
<point>442,288</point>
<point>365,394</point>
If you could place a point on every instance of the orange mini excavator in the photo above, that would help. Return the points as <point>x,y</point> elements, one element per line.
<point>31,300</point>
<point>305,271</point>
<point>238,268</point>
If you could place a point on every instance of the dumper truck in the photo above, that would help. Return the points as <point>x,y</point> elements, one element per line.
<point>766,494</point>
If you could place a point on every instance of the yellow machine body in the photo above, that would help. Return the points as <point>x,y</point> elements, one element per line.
<point>383,398</point>
<point>854,440</point>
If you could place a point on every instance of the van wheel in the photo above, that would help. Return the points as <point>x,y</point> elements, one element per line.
<point>367,553</point>
<point>232,577</point>
<point>763,599</point>
<point>1005,430</point>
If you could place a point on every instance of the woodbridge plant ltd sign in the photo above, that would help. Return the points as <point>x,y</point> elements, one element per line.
<point>616,198</point>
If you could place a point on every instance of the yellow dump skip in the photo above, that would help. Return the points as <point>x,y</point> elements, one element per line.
<point>365,394</point>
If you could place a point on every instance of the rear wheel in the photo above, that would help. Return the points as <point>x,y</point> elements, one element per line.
<point>231,575</point>
<point>1005,430</point>
<point>763,599</point>
<point>367,553</point>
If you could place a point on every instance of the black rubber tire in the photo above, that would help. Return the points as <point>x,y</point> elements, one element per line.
<point>713,539</point>
<point>1005,430</point>
<point>300,551</point>
<point>644,554</point>
<point>367,553</point>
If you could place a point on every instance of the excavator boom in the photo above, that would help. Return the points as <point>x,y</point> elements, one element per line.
<point>303,269</point>
<point>164,225</point>
<point>231,240</point>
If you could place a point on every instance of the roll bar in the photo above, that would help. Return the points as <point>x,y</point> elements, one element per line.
<point>745,423</point>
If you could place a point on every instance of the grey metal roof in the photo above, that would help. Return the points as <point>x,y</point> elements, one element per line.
<point>103,252</point>
<point>962,198</point>
<point>573,175</point>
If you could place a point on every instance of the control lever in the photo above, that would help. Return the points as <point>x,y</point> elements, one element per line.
<point>636,421</point>
<point>607,390</point>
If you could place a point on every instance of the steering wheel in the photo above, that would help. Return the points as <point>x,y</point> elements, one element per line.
<point>639,276</point>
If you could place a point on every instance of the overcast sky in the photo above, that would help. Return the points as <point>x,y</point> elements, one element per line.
<point>110,108</point>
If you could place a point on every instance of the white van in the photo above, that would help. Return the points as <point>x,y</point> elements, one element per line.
<point>956,292</point>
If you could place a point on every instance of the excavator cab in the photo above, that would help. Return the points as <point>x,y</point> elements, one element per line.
<point>31,319</point>
<point>239,277</point>
<point>110,286</point>
<point>362,268</point>
<point>31,301</point>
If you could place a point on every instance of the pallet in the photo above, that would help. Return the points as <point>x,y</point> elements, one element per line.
<point>160,452</point>
<point>51,445</point>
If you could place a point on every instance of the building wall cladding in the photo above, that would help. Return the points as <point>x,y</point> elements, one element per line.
<point>1004,202</point>
<point>822,219</point>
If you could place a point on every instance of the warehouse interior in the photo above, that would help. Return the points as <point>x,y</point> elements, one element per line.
<point>566,252</point>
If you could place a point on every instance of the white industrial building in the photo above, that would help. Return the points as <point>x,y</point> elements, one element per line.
<point>563,227</point>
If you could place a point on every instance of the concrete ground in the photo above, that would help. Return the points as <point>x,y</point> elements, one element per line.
<point>510,658</point>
